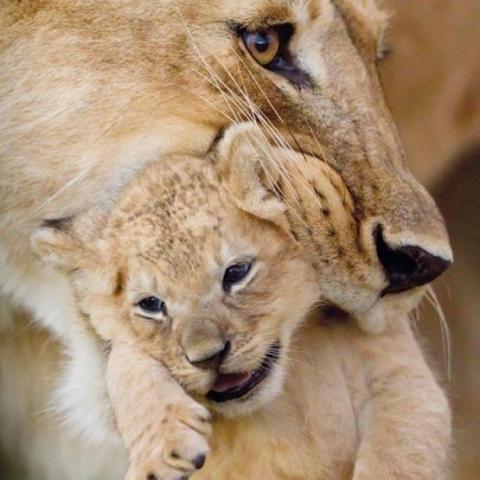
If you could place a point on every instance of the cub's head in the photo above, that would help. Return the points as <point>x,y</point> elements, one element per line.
<point>195,263</point>
<point>210,264</point>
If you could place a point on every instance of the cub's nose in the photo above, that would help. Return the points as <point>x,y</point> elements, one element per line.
<point>409,266</point>
<point>212,361</point>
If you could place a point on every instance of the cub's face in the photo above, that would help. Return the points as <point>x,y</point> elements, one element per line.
<point>211,291</point>
<point>205,282</point>
<point>210,264</point>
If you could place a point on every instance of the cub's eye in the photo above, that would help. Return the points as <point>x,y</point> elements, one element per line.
<point>235,274</point>
<point>152,305</point>
<point>264,46</point>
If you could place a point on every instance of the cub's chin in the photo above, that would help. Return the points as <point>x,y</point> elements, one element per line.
<point>240,393</point>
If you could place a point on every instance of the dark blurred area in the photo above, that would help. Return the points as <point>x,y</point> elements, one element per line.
<point>458,196</point>
<point>432,82</point>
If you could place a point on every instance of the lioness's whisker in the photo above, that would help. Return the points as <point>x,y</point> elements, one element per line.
<point>209,103</point>
<point>214,77</point>
<point>256,113</point>
<point>432,298</point>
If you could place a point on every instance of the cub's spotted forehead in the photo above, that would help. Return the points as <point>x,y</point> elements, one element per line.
<point>170,214</point>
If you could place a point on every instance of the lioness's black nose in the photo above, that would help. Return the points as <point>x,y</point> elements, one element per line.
<point>409,266</point>
<point>213,361</point>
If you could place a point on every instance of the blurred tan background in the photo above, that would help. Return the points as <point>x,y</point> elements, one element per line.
<point>432,82</point>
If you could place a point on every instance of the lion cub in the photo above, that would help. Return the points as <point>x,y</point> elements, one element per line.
<point>195,281</point>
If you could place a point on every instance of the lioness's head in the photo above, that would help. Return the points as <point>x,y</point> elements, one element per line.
<point>307,72</point>
<point>139,78</point>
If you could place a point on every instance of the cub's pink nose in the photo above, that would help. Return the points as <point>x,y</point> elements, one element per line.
<point>212,362</point>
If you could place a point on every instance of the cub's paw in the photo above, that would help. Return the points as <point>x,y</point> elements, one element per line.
<point>176,448</point>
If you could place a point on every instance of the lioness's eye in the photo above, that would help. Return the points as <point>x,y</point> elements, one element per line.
<point>270,48</point>
<point>235,274</point>
<point>264,46</point>
<point>152,305</point>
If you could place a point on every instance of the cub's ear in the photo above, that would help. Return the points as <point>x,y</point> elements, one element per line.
<point>250,171</point>
<point>56,243</point>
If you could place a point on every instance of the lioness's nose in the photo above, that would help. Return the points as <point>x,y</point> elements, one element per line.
<point>408,266</point>
<point>212,362</point>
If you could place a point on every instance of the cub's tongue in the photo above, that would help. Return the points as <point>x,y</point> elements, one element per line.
<point>230,381</point>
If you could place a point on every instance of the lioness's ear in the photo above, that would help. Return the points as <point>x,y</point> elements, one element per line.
<point>250,171</point>
<point>56,243</point>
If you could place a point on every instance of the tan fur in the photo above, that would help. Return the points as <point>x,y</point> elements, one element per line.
<point>169,239</point>
<point>118,84</point>
<point>387,419</point>
<point>164,429</point>
<point>130,85</point>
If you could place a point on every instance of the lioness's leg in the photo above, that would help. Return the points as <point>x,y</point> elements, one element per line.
<point>405,425</point>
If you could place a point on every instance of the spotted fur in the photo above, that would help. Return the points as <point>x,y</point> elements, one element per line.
<point>172,234</point>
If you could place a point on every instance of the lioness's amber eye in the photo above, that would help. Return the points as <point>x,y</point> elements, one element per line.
<point>263,46</point>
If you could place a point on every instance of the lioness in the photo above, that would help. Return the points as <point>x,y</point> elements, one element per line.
<point>118,83</point>
<point>195,280</point>
<point>92,91</point>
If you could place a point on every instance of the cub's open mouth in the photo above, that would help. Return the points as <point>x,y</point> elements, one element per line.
<point>230,386</point>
